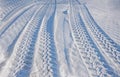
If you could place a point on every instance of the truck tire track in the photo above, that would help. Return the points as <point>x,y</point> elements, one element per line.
<point>90,54</point>
<point>7,24</point>
<point>46,64</point>
<point>9,38</point>
<point>22,56</point>
<point>110,49</point>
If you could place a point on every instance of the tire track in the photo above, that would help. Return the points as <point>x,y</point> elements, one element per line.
<point>20,62</point>
<point>10,8</point>
<point>6,10</point>
<point>90,54</point>
<point>7,24</point>
<point>13,31</point>
<point>109,49</point>
<point>45,63</point>
<point>10,36</point>
<point>12,13</point>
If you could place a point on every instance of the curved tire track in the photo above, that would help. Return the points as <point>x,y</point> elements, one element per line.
<point>10,36</point>
<point>20,62</point>
<point>110,49</point>
<point>90,54</point>
<point>46,64</point>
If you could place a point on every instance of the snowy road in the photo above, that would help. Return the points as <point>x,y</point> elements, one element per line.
<point>43,39</point>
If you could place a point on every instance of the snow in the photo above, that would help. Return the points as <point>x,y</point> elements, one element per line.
<point>60,38</point>
<point>107,15</point>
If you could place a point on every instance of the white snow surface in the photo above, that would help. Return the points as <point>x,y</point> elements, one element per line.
<point>59,38</point>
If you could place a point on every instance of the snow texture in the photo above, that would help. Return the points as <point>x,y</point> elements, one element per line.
<point>59,38</point>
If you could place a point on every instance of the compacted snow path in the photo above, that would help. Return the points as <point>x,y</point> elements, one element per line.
<point>54,38</point>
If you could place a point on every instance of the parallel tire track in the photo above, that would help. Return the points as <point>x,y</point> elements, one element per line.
<point>10,7</point>
<point>29,45</point>
<point>12,13</point>
<point>110,50</point>
<point>7,24</point>
<point>22,57</point>
<point>91,56</point>
<point>10,36</point>
<point>46,64</point>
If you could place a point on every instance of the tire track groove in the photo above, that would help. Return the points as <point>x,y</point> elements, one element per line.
<point>22,56</point>
<point>46,64</point>
<point>108,46</point>
<point>90,54</point>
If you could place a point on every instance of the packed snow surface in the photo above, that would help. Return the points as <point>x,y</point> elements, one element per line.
<point>59,38</point>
